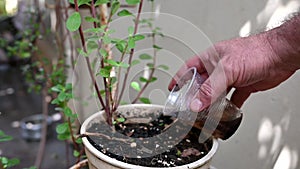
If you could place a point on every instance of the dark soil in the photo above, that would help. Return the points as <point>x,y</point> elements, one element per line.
<point>153,144</point>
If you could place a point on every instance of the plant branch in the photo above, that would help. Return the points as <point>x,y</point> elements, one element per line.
<point>88,60</point>
<point>151,73</point>
<point>136,24</point>
<point>41,151</point>
<point>73,138</point>
<point>80,164</point>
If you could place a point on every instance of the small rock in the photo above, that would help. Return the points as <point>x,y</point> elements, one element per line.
<point>133,145</point>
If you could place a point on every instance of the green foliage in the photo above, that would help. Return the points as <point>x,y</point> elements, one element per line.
<point>178,153</point>
<point>157,47</point>
<point>76,153</point>
<point>145,100</point>
<point>4,137</point>
<point>64,95</point>
<point>105,71</point>
<point>135,86</point>
<point>164,67</point>
<point>138,37</point>
<point>115,7</point>
<point>4,161</point>
<point>73,22</point>
<point>81,2</point>
<point>145,56</point>
<point>124,12</point>
<point>91,19</point>
<point>100,2</point>
<point>153,79</point>
<point>133,2</point>
<point>121,120</point>
<point>7,163</point>
<point>32,167</point>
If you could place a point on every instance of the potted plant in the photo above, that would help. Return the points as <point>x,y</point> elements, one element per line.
<point>133,135</point>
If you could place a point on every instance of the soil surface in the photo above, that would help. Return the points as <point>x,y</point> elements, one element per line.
<point>154,141</point>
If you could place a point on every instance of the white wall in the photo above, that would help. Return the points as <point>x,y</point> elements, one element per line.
<point>270,126</point>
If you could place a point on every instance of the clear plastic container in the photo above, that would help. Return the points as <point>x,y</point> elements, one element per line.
<point>220,120</point>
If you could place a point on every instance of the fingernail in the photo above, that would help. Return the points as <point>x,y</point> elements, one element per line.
<point>196,105</point>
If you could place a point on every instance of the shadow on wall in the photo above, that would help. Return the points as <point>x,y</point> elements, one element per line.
<point>272,148</point>
<point>274,14</point>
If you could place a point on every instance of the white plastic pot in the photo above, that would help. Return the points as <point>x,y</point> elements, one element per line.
<point>98,160</point>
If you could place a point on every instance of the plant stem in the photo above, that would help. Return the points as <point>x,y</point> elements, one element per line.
<point>88,60</point>
<point>154,59</point>
<point>105,20</point>
<point>41,151</point>
<point>76,147</point>
<point>136,24</point>
<point>80,164</point>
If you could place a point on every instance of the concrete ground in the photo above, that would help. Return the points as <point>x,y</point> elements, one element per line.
<point>15,104</point>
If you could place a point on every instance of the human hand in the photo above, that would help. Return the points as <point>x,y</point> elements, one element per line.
<point>247,64</point>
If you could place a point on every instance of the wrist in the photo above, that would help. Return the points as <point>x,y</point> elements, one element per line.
<point>285,43</point>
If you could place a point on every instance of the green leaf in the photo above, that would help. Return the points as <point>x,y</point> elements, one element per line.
<point>100,2</point>
<point>4,137</point>
<point>121,45</point>
<point>55,101</point>
<point>106,39</point>
<point>61,96</point>
<point>73,22</point>
<point>145,100</point>
<point>84,54</point>
<point>165,67</point>
<point>59,109</point>
<point>124,65</point>
<point>115,6</point>
<point>135,86</point>
<point>135,62</point>
<point>130,30</point>
<point>178,153</point>
<point>153,79</point>
<point>76,153</point>
<point>145,56</point>
<point>83,2</point>
<point>68,86</point>
<point>121,119</point>
<point>157,47</point>
<point>104,72</point>
<point>63,137</point>
<point>68,112</point>
<point>112,62</point>
<point>131,43</point>
<point>138,37</point>
<point>7,163</point>
<point>4,160</point>
<point>103,53</point>
<point>94,30</point>
<point>124,12</point>
<point>78,140</point>
<point>133,2</point>
<point>91,45</point>
<point>62,128</point>
<point>150,65</point>
<point>91,19</point>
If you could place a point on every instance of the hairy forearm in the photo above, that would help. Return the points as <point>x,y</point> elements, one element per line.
<point>285,42</point>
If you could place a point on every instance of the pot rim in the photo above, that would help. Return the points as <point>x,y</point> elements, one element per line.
<point>121,164</point>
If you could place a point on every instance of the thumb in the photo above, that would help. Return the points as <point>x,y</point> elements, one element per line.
<point>213,88</point>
